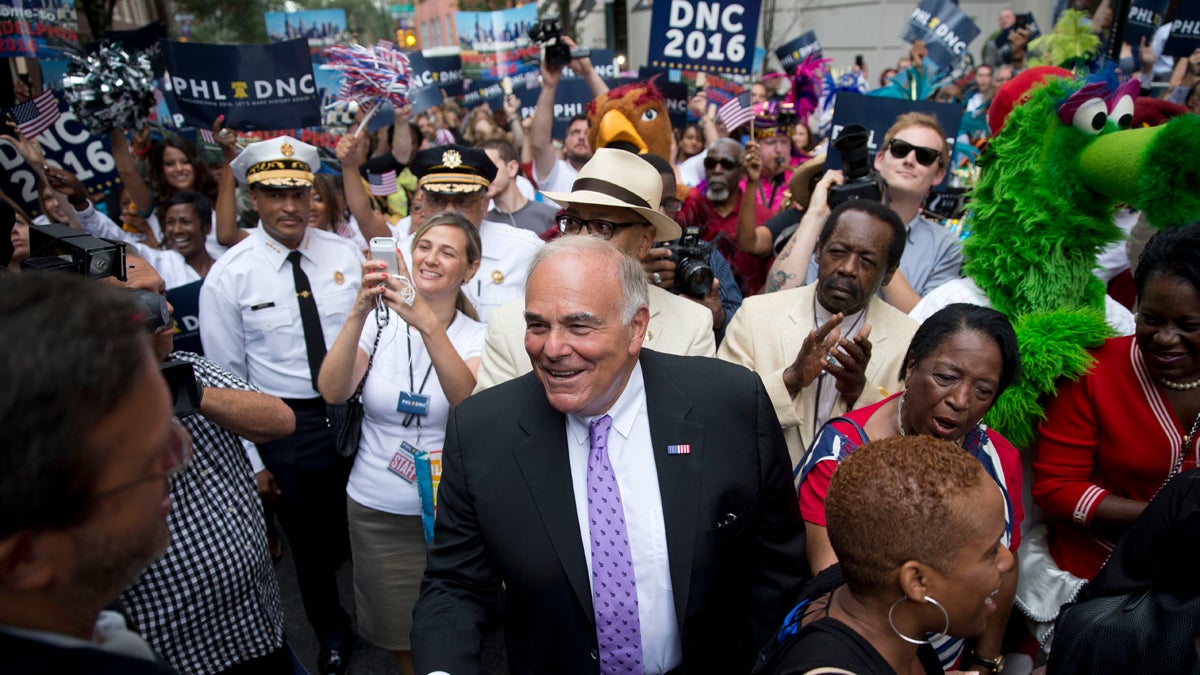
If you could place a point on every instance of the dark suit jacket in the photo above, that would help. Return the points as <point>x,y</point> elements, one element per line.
<point>506,514</point>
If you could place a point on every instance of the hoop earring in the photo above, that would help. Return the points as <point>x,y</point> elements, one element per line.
<point>902,636</point>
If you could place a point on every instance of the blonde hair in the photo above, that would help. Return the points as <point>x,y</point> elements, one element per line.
<point>919,119</point>
<point>474,249</point>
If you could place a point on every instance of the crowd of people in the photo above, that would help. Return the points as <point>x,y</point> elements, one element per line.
<point>784,469</point>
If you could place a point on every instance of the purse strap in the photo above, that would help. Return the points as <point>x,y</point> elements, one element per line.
<point>857,427</point>
<point>379,325</point>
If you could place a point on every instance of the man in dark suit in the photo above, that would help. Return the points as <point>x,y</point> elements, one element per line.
<point>637,507</point>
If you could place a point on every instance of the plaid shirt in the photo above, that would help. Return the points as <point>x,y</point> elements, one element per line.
<point>212,600</point>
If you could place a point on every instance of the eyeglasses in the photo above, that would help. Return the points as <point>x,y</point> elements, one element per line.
<point>602,229</point>
<point>925,156</point>
<point>178,451</point>
<point>727,163</point>
<point>671,205</point>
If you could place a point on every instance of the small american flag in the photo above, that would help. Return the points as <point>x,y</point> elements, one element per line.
<point>382,184</point>
<point>206,135</point>
<point>736,111</point>
<point>36,115</point>
<point>685,449</point>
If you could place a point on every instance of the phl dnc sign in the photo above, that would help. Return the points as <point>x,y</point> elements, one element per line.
<point>945,29</point>
<point>256,87</point>
<point>715,36</point>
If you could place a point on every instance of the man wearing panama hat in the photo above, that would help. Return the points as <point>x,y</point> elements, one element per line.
<point>615,197</point>
<point>270,308</point>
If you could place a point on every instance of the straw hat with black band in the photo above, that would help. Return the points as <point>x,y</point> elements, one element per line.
<point>639,189</point>
<point>280,162</point>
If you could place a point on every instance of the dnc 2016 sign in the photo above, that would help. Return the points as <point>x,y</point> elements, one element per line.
<point>714,36</point>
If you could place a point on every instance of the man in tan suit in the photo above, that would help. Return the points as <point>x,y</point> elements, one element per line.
<point>833,345</point>
<point>627,214</point>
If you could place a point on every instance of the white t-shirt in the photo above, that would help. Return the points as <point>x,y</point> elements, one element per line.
<point>372,483</point>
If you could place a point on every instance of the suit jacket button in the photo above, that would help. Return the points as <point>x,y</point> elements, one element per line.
<point>594,655</point>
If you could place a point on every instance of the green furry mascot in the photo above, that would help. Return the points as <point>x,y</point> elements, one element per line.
<point>1043,210</point>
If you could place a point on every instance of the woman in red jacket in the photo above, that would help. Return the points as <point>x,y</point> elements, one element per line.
<point>1113,438</point>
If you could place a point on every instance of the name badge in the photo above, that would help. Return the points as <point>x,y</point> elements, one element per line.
<point>413,404</point>
<point>402,465</point>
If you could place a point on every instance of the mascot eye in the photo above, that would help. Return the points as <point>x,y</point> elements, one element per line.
<point>649,115</point>
<point>1122,112</point>
<point>1091,116</point>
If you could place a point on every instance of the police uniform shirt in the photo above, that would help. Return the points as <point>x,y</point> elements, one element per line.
<point>250,317</point>
<point>503,266</point>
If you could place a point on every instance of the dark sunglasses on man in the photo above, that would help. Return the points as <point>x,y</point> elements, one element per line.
<point>925,156</point>
<point>727,163</point>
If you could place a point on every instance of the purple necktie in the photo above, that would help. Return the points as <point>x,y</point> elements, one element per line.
<point>614,590</point>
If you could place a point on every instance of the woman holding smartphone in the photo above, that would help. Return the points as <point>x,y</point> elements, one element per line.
<point>428,349</point>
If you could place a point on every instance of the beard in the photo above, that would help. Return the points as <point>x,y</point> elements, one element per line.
<point>105,566</point>
<point>717,192</point>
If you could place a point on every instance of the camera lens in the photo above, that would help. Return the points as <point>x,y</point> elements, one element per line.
<point>694,277</point>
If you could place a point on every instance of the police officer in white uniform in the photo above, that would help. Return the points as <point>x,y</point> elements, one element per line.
<point>269,310</point>
<point>456,178</point>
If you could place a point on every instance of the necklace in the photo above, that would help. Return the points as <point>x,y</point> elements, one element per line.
<point>1180,386</point>
<point>900,414</point>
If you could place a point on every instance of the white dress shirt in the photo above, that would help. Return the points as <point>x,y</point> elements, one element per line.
<point>631,453</point>
<point>250,318</point>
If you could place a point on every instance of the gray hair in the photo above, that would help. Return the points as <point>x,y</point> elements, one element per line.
<point>734,146</point>
<point>634,292</point>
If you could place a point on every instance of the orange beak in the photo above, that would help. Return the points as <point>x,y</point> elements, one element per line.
<point>615,126</point>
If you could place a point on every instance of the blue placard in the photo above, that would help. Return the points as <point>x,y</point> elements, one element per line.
<point>715,36</point>
<point>878,113</point>
<point>945,28</point>
<point>67,144</point>
<point>1185,31</point>
<point>256,87</point>
<point>447,71</point>
<point>1145,16</point>
<point>423,91</point>
<point>185,300</point>
<point>793,53</point>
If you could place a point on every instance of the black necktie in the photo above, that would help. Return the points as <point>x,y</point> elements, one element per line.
<point>314,337</point>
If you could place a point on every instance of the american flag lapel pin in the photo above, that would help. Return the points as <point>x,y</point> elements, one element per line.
<point>685,449</point>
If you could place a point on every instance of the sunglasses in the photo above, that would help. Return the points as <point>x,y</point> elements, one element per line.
<point>925,156</point>
<point>727,163</point>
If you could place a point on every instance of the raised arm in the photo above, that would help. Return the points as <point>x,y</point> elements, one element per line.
<point>751,236</point>
<point>228,232</point>
<point>346,362</point>
<point>351,152</point>
<point>540,133</point>
<point>130,178</point>
<point>791,265</point>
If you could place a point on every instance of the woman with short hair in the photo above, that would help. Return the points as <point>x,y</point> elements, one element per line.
<point>932,566</point>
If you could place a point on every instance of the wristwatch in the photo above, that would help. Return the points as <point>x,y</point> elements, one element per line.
<point>995,665</point>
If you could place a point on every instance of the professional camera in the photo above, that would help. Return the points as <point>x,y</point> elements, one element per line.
<point>558,54</point>
<point>180,375</point>
<point>693,275</point>
<point>58,247</point>
<point>861,181</point>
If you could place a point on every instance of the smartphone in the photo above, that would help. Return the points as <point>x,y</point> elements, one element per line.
<point>1024,20</point>
<point>384,248</point>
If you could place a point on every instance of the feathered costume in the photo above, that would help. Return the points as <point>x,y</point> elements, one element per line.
<point>1043,210</point>
<point>633,117</point>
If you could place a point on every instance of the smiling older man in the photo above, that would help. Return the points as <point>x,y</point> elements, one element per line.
<point>636,507</point>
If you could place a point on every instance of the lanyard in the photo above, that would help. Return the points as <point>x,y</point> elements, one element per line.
<point>408,418</point>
